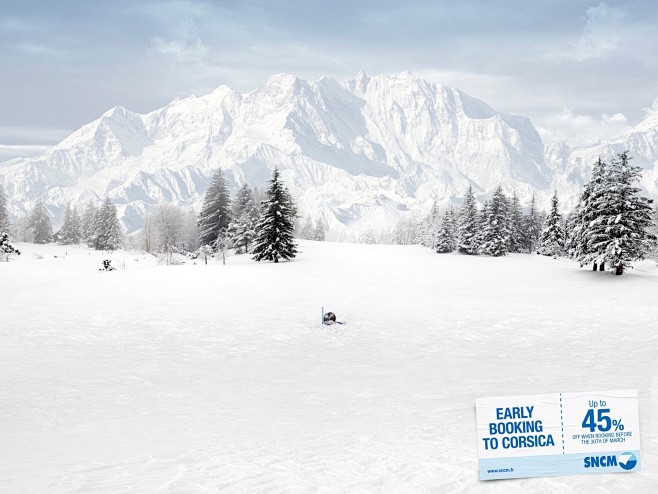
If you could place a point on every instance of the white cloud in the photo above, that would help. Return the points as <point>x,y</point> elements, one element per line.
<point>580,129</point>
<point>652,109</point>
<point>179,21</point>
<point>9,151</point>
<point>602,34</point>
<point>187,51</point>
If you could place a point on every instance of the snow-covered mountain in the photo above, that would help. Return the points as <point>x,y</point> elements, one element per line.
<point>355,154</point>
<point>572,166</point>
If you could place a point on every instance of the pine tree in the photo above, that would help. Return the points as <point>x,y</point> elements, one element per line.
<point>551,240</point>
<point>4,215</point>
<point>454,228</point>
<point>481,225</point>
<point>6,249</point>
<point>468,225</point>
<point>274,231</point>
<point>241,233</point>
<point>584,222</point>
<point>40,224</point>
<point>620,233</point>
<point>244,203</point>
<point>242,227</point>
<point>319,232</point>
<point>215,215</point>
<point>87,224</point>
<point>108,234</point>
<point>308,232</point>
<point>495,231</point>
<point>447,237</point>
<point>532,227</point>
<point>70,231</point>
<point>516,239</point>
<point>428,229</point>
<point>653,231</point>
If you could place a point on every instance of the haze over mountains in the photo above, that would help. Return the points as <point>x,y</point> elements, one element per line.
<point>357,154</point>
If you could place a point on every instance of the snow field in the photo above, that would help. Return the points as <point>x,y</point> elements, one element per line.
<point>215,378</point>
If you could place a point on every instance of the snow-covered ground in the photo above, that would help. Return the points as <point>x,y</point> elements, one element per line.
<point>220,378</point>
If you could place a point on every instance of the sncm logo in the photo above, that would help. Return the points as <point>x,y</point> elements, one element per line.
<point>627,461</point>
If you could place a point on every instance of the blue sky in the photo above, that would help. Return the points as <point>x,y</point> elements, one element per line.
<point>580,70</point>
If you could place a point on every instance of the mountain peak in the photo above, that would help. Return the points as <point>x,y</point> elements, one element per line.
<point>406,74</point>
<point>361,76</point>
<point>282,80</point>
<point>358,153</point>
<point>359,84</point>
<point>649,124</point>
<point>117,111</point>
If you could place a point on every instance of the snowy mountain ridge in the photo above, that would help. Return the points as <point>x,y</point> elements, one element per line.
<point>356,154</point>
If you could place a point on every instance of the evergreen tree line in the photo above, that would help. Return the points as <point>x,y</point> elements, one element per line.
<point>313,230</point>
<point>265,231</point>
<point>499,228</point>
<point>613,225</point>
<point>98,227</point>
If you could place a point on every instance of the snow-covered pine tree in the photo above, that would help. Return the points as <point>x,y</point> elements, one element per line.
<point>241,233</point>
<point>584,224</point>
<point>516,237</point>
<point>621,231</point>
<point>4,215</point>
<point>482,224</point>
<point>88,223</point>
<point>242,227</point>
<point>468,225</point>
<point>319,231</point>
<point>39,222</point>
<point>452,215</point>
<point>6,249</point>
<point>70,232</point>
<point>653,230</point>
<point>215,215</point>
<point>308,231</point>
<point>495,231</point>
<point>429,227</point>
<point>274,231</point>
<point>244,203</point>
<point>532,226</point>
<point>108,233</point>
<point>551,240</point>
<point>447,237</point>
<point>570,226</point>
